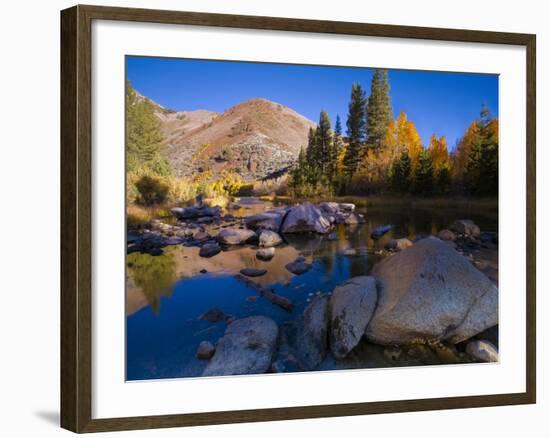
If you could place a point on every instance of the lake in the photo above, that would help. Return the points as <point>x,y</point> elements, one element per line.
<point>167,294</point>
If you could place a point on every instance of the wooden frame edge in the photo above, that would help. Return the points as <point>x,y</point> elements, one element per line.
<point>76,226</point>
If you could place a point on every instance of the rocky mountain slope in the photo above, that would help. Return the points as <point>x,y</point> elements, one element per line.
<point>256,138</point>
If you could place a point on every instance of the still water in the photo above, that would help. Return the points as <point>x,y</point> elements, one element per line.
<point>165,295</point>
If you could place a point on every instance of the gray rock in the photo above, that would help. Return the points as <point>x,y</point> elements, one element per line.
<point>265,254</point>
<point>253,272</point>
<point>430,292</point>
<point>329,208</point>
<point>205,351</point>
<point>269,238</point>
<point>378,232</point>
<point>247,347</point>
<point>209,250</point>
<point>483,351</point>
<point>305,218</point>
<point>347,207</point>
<point>268,220</point>
<point>398,244</point>
<point>195,212</point>
<point>310,343</point>
<point>235,236</point>
<point>354,218</point>
<point>298,267</point>
<point>465,227</point>
<point>446,235</point>
<point>352,306</point>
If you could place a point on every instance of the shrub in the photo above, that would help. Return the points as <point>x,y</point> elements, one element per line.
<point>152,189</point>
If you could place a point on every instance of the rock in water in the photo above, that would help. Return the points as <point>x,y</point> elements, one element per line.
<point>305,218</point>
<point>253,272</point>
<point>378,232</point>
<point>466,227</point>
<point>268,220</point>
<point>265,254</point>
<point>447,235</point>
<point>209,250</point>
<point>298,267</point>
<point>235,236</point>
<point>195,212</point>
<point>247,347</point>
<point>430,292</point>
<point>330,208</point>
<point>269,238</point>
<point>354,218</point>
<point>205,351</point>
<point>398,244</point>
<point>310,343</point>
<point>483,351</point>
<point>352,306</point>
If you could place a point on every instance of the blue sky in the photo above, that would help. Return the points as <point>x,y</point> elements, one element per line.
<point>437,102</point>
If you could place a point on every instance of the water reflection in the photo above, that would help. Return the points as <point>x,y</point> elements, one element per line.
<point>166,294</point>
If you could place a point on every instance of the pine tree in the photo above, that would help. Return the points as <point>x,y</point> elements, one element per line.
<point>338,126</point>
<point>443,179</point>
<point>356,125</point>
<point>144,147</point>
<point>379,110</point>
<point>424,175</point>
<point>400,173</point>
<point>324,144</point>
<point>482,167</point>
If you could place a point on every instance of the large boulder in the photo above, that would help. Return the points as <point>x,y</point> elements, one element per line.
<point>305,218</point>
<point>483,351</point>
<point>269,238</point>
<point>268,220</point>
<point>466,227</point>
<point>398,244</point>
<point>429,292</point>
<point>235,236</point>
<point>352,306</point>
<point>309,339</point>
<point>247,347</point>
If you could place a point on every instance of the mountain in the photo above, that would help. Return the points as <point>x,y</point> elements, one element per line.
<point>256,138</point>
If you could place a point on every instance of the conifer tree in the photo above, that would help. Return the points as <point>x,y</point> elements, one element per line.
<point>144,147</point>
<point>356,125</point>
<point>400,173</point>
<point>424,175</point>
<point>379,110</point>
<point>324,144</point>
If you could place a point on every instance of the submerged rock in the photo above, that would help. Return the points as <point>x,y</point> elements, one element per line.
<point>483,351</point>
<point>465,227</point>
<point>352,306</point>
<point>298,267</point>
<point>269,238</point>
<point>235,236</point>
<point>378,232</point>
<point>429,292</point>
<point>206,350</point>
<point>398,244</point>
<point>265,254</point>
<point>209,250</point>
<point>247,347</point>
<point>214,315</point>
<point>305,218</point>
<point>253,272</point>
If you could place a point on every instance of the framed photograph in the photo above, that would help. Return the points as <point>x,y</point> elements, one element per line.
<point>269,218</point>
